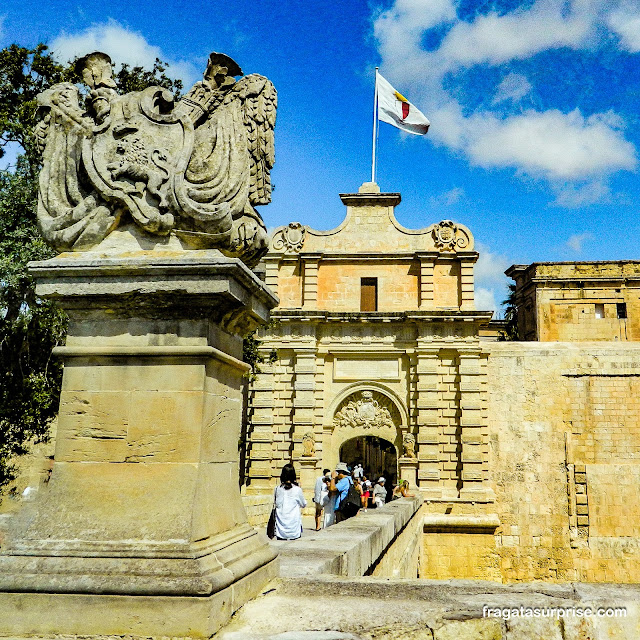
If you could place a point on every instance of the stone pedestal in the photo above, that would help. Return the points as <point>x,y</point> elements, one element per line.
<point>142,531</point>
<point>307,466</point>
<point>408,470</point>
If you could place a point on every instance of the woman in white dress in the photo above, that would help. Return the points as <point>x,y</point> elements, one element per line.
<point>289,500</point>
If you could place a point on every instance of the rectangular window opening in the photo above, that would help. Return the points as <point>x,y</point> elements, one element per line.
<point>621,308</point>
<point>368,294</point>
<point>599,310</point>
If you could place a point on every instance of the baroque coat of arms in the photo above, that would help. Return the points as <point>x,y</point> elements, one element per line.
<point>366,412</point>
<point>196,167</point>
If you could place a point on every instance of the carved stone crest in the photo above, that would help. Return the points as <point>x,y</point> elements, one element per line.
<point>195,168</point>
<point>448,236</point>
<point>365,412</point>
<point>289,238</point>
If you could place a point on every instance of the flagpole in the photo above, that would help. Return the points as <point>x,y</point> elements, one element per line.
<point>375,123</point>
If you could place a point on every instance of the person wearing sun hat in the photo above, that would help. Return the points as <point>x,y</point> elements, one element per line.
<point>340,483</point>
<point>379,493</point>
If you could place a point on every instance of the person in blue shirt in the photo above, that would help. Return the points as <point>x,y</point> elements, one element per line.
<point>340,482</point>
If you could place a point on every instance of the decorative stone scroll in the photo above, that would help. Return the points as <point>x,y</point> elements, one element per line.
<point>289,238</point>
<point>366,412</point>
<point>448,236</point>
<point>195,168</point>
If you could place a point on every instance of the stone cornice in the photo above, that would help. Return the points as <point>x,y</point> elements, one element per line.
<point>445,315</point>
<point>371,199</point>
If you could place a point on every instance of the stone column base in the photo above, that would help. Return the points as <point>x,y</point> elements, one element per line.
<point>76,614</point>
<point>142,530</point>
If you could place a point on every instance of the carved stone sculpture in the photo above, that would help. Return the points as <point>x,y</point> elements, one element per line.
<point>409,444</point>
<point>290,238</point>
<point>195,168</point>
<point>308,445</point>
<point>365,412</point>
<point>448,236</point>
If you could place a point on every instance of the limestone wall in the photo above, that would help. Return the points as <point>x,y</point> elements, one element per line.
<point>578,301</point>
<point>369,608</point>
<point>564,461</point>
<point>398,285</point>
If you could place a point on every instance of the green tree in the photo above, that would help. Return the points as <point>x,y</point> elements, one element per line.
<point>510,315</point>
<point>30,327</point>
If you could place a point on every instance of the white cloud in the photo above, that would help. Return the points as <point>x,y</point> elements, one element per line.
<point>552,144</point>
<point>573,196</point>
<point>490,267</point>
<point>485,299</point>
<point>123,46</point>
<point>448,198</point>
<point>513,88</point>
<point>626,24</point>
<point>576,241</point>
<point>495,39</point>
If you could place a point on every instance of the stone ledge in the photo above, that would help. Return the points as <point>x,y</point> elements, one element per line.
<point>370,607</point>
<point>349,548</point>
<point>439,523</point>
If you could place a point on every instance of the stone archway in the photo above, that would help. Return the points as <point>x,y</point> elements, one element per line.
<point>364,414</point>
<point>378,456</point>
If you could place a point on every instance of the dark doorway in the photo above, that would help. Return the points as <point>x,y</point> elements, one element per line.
<point>378,456</point>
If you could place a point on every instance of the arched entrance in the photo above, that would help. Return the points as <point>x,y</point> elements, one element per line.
<point>377,456</point>
<point>367,427</point>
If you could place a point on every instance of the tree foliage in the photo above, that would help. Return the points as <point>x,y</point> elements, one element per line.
<point>510,315</point>
<point>30,327</point>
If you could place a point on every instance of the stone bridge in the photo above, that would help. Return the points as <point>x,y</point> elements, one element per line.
<point>357,580</point>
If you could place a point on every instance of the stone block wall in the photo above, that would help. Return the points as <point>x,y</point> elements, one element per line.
<point>339,285</point>
<point>578,301</point>
<point>564,427</point>
<point>563,458</point>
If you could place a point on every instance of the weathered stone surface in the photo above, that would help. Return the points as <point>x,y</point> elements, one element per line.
<point>142,516</point>
<point>375,609</point>
<point>471,630</point>
<point>578,301</point>
<point>194,169</point>
<point>352,547</point>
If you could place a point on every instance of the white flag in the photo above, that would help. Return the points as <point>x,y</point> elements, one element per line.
<point>395,109</point>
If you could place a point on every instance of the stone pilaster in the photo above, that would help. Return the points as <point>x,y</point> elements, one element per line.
<point>426,294</point>
<point>271,273</point>
<point>304,397</point>
<point>428,419</point>
<point>261,436</point>
<point>473,429</point>
<point>467,287</point>
<point>310,281</point>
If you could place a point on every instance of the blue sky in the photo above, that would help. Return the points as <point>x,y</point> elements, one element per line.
<point>534,107</point>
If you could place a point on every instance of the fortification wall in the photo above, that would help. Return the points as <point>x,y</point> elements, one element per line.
<point>564,460</point>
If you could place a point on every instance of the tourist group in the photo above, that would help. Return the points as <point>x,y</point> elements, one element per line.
<point>338,495</point>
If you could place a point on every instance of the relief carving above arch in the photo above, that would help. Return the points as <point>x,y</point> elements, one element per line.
<point>367,409</point>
